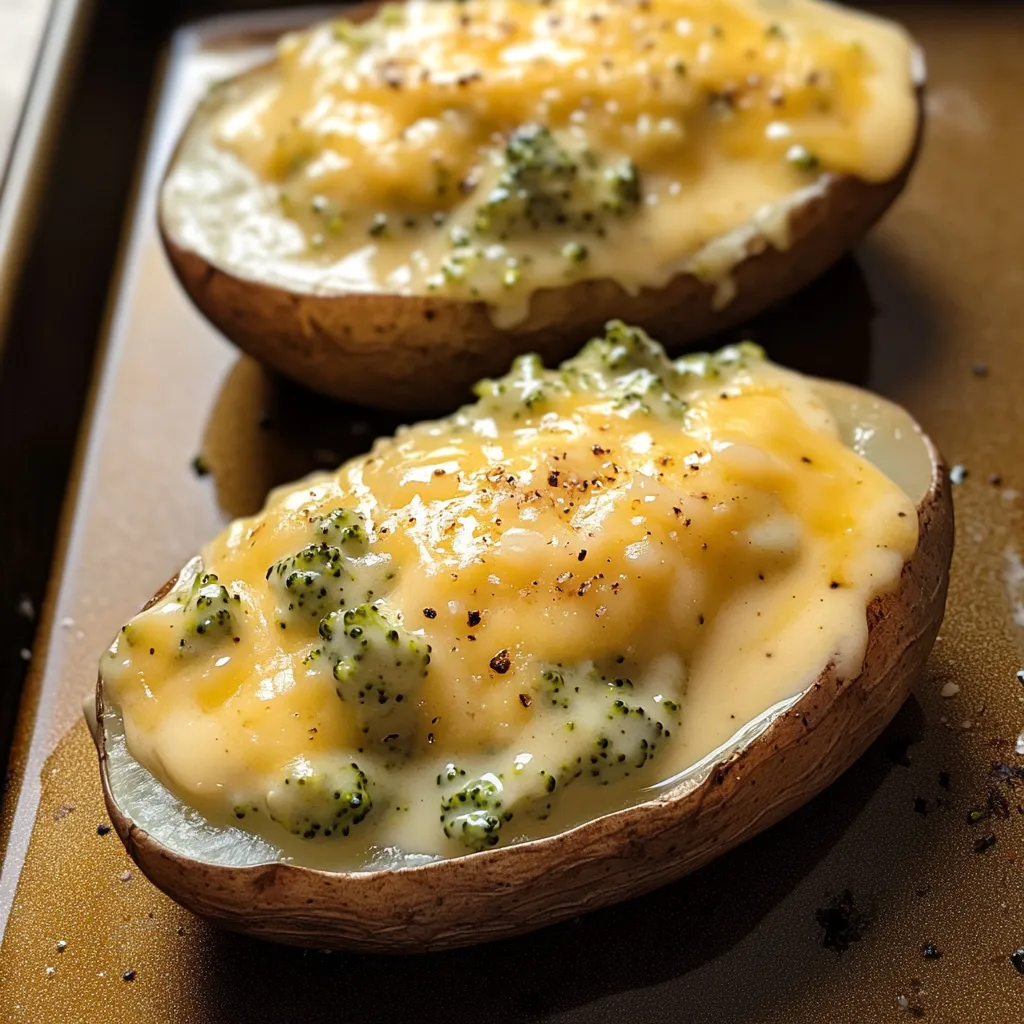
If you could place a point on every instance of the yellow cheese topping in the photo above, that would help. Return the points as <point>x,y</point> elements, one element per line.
<point>502,623</point>
<point>487,148</point>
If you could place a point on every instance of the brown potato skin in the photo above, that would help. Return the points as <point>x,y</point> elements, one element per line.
<point>422,354</point>
<point>515,889</point>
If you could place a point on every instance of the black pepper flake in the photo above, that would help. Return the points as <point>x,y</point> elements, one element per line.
<point>525,699</point>
<point>429,613</point>
<point>834,585</point>
<point>500,663</point>
<point>553,478</point>
<point>920,805</point>
<point>930,952</point>
<point>128,976</point>
<point>200,466</point>
<point>102,830</point>
<point>985,842</point>
<point>473,619</point>
<point>581,555</point>
<point>1017,959</point>
<point>944,780</point>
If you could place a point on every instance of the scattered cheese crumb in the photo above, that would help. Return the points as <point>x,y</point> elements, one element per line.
<point>958,474</point>
<point>26,654</point>
<point>950,690</point>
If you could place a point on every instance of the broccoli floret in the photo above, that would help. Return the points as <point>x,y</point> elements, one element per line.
<point>474,812</point>
<point>526,386</point>
<point>378,666</point>
<point>327,802</point>
<point>617,738</point>
<point>311,583</point>
<point>624,366</point>
<point>643,378</point>
<point>320,578</point>
<point>209,613</point>
<point>343,528</point>
<point>544,184</point>
<point>554,691</point>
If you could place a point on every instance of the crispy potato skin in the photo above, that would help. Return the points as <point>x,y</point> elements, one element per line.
<point>422,354</point>
<point>515,889</point>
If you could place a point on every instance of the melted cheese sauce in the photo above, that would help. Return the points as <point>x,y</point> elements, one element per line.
<point>363,157</point>
<point>691,537</point>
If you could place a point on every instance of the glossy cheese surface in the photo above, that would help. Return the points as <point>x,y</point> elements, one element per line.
<point>486,149</point>
<point>628,550</point>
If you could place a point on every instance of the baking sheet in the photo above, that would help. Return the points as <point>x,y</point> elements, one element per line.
<point>825,918</point>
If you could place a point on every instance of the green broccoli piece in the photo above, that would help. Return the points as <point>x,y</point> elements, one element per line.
<point>310,803</point>
<point>474,812</point>
<point>343,528</point>
<point>311,583</point>
<point>554,691</point>
<point>209,613</point>
<point>617,738</point>
<point>377,665</point>
<point>543,184</point>
<point>642,379</point>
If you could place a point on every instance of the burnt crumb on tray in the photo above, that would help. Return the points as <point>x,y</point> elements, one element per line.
<point>842,922</point>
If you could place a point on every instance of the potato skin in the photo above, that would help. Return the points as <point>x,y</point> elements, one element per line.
<point>422,354</point>
<point>515,889</point>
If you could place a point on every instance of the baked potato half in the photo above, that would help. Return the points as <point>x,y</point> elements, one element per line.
<point>791,743</point>
<point>419,347</point>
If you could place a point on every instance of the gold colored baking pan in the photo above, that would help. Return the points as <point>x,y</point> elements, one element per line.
<point>897,894</point>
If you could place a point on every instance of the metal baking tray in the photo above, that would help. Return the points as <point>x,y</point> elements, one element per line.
<point>824,918</point>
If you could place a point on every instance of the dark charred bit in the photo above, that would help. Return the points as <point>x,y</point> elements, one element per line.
<point>921,805</point>
<point>1017,959</point>
<point>525,699</point>
<point>102,830</point>
<point>842,922</point>
<point>473,619</point>
<point>929,952</point>
<point>984,843</point>
<point>429,613</point>
<point>500,663</point>
<point>944,780</point>
<point>1007,773</point>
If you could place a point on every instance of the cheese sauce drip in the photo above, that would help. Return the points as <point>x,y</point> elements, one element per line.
<point>503,623</point>
<point>487,148</point>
